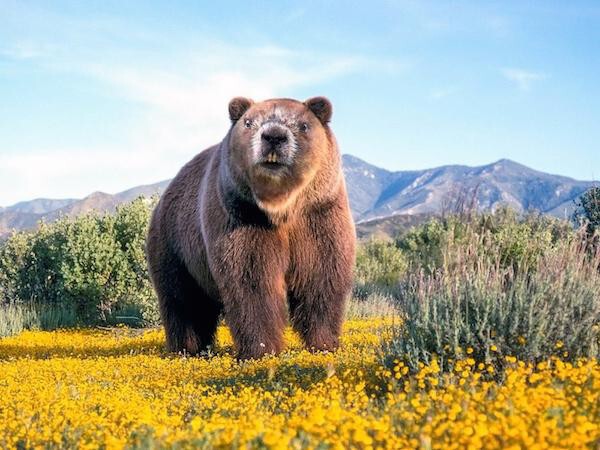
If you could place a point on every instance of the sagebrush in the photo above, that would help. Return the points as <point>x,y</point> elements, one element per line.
<point>493,293</point>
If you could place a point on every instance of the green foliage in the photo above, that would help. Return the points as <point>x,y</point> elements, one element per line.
<point>13,253</point>
<point>501,235</point>
<point>131,228</point>
<point>531,300</point>
<point>587,210</point>
<point>92,265</point>
<point>16,317</point>
<point>520,285</point>
<point>375,304</point>
<point>380,265</point>
<point>423,244</point>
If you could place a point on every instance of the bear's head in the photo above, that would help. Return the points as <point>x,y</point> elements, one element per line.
<point>277,147</point>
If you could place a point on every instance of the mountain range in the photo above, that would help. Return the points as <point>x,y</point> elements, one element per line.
<point>374,193</point>
<point>377,193</point>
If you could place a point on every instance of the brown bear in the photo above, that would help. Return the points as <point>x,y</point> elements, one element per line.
<point>256,227</point>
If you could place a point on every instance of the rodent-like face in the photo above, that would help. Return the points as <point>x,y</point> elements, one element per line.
<point>278,145</point>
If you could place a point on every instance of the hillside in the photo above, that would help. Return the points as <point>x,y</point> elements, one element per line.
<point>388,227</point>
<point>25,215</point>
<point>374,193</point>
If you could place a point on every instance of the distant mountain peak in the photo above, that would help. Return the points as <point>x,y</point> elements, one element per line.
<point>98,194</point>
<point>503,182</point>
<point>373,192</point>
<point>506,163</point>
<point>350,161</point>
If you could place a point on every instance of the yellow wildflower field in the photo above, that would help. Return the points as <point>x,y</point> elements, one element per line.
<point>117,388</point>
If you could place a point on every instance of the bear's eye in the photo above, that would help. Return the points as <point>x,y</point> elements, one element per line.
<point>248,123</point>
<point>304,127</point>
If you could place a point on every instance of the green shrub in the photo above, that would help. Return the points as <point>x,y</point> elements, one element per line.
<point>93,266</point>
<point>13,253</point>
<point>131,228</point>
<point>16,317</point>
<point>423,244</point>
<point>374,305</point>
<point>516,241</point>
<point>587,210</point>
<point>483,308</point>
<point>380,265</point>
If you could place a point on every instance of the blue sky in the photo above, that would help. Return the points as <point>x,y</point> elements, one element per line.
<point>106,95</point>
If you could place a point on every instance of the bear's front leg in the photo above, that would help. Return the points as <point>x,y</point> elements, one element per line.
<point>317,310</point>
<point>320,279</point>
<point>249,267</point>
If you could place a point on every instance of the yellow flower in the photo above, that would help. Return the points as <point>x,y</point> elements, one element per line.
<point>119,389</point>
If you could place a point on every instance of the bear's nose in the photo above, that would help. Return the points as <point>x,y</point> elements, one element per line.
<point>275,137</point>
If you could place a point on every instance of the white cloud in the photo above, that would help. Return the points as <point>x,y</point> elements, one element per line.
<point>184,96</point>
<point>522,78</point>
<point>57,173</point>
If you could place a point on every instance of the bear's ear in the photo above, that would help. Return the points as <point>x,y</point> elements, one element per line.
<point>238,106</point>
<point>321,107</point>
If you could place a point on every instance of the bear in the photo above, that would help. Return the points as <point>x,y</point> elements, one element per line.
<point>257,229</point>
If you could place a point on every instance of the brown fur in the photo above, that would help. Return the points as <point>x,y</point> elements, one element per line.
<point>227,237</point>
